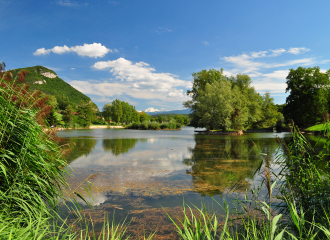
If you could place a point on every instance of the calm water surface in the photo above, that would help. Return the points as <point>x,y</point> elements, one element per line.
<point>136,173</point>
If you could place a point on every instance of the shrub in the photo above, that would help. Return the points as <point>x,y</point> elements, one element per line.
<point>154,125</point>
<point>164,126</point>
<point>144,125</point>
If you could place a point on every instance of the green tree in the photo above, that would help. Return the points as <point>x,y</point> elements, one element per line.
<point>221,102</point>
<point>179,118</point>
<point>68,114</point>
<point>117,111</point>
<point>106,111</point>
<point>186,120</point>
<point>144,116</point>
<point>270,115</point>
<point>213,106</point>
<point>309,95</point>
<point>86,113</point>
<point>135,116</point>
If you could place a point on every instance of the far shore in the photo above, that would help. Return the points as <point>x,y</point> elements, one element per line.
<point>90,127</point>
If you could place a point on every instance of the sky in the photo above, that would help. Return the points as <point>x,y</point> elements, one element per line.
<point>144,52</point>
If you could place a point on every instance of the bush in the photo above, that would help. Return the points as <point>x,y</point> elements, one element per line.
<point>144,125</point>
<point>154,125</point>
<point>164,126</point>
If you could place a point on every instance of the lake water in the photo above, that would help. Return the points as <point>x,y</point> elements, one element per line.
<point>138,174</point>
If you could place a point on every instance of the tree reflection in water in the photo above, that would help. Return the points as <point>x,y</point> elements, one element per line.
<point>118,146</point>
<point>218,163</point>
<point>80,147</point>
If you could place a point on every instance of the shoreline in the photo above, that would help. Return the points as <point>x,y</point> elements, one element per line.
<point>91,127</point>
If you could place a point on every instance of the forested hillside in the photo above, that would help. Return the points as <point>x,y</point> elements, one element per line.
<point>47,81</point>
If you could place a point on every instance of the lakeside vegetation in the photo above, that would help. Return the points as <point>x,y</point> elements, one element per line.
<point>32,182</point>
<point>147,125</point>
<point>221,102</point>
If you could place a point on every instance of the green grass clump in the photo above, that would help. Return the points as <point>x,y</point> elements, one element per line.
<point>318,127</point>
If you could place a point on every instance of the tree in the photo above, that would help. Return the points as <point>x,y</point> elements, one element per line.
<point>179,118</point>
<point>309,95</point>
<point>270,115</point>
<point>213,107</point>
<point>106,111</point>
<point>144,116</point>
<point>86,113</point>
<point>68,114</point>
<point>202,78</point>
<point>117,111</point>
<point>221,102</point>
<point>135,116</point>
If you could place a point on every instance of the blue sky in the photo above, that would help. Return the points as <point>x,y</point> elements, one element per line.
<point>144,52</point>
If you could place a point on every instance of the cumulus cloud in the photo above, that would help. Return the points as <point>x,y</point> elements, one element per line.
<point>206,43</point>
<point>267,75</point>
<point>297,51</point>
<point>42,51</point>
<point>138,80</point>
<point>90,50</point>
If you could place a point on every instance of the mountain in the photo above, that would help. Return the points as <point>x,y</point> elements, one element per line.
<point>183,111</point>
<point>46,80</point>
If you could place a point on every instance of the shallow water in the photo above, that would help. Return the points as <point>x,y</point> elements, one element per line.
<point>136,173</point>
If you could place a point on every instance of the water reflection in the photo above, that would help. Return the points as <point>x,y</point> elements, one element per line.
<point>135,173</point>
<point>118,146</point>
<point>80,147</point>
<point>218,164</point>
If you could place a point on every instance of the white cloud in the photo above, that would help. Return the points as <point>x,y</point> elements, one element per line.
<point>151,109</point>
<point>297,51</point>
<point>67,3</point>
<point>245,63</point>
<point>176,93</point>
<point>72,68</point>
<point>277,52</point>
<point>206,43</point>
<point>60,50</point>
<point>265,74</point>
<point>42,51</point>
<point>90,50</point>
<point>279,74</point>
<point>137,80</point>
<point>161,30</point>
<point>273,87</point>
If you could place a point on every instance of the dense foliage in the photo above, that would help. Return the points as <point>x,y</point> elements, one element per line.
<point>65,94</point>
<point>147,125</point>
<point>308,102</point>
<point>120,111</point>
<point>219,102</point>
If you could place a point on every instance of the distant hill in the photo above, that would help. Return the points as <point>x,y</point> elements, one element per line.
<point>46,80</point>
<point>184,111</point>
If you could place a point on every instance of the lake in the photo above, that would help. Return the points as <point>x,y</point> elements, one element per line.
<point>139,174</point>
